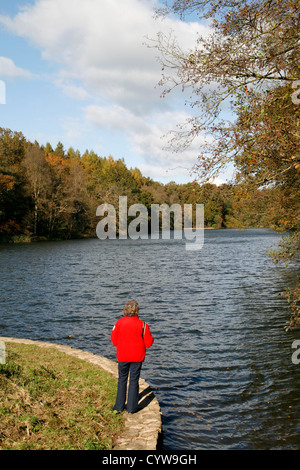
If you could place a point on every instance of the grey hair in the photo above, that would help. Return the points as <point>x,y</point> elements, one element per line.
<point>131,308</point>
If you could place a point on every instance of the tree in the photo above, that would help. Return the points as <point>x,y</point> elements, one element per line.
<point>253,46</point>
<point>71,153</point>
<point>249,61</point>
<point>59,151</point>
<point>13,203</point>
<point>57,202</point>
<point>39,180</point>
<point>47,148</point>
<point>79,207</point>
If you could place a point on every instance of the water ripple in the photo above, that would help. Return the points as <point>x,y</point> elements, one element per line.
<point>221,362</point>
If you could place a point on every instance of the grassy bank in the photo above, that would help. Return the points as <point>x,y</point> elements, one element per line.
<point>50,400</point>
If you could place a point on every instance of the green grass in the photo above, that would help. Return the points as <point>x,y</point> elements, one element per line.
<point>50,400</point>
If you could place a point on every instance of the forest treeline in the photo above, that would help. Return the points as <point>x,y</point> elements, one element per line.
<point>48,193</point>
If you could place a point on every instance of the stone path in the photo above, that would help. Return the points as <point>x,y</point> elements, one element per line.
<point>142,429</point>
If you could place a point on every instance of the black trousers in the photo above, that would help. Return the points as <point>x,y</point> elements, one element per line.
<point>133,370</point>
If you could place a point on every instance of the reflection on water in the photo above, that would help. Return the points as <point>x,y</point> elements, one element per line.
<point>221,363</point>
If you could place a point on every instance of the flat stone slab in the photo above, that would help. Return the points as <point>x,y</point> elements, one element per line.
<point>142,429</point>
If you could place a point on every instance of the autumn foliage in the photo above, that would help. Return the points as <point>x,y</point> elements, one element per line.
<point>50,193</point>
<point>246,66</point>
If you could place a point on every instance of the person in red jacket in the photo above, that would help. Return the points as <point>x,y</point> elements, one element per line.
<point>132,337</point>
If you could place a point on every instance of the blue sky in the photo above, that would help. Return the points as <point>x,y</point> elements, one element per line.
<point>79,72</point>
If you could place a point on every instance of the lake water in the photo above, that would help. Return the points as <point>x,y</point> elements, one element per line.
<point>221,365</point>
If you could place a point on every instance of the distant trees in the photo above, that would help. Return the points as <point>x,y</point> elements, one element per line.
<point>55,193</point>
<point>42,194</point>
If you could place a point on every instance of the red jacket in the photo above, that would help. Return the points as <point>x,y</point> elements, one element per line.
<point>127,337</point>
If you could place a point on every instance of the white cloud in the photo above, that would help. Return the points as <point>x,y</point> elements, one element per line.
<point>100,43</point>
<point>72,90</point>
<point>164,175</point>
<point>115,117</point>
<point>9,69</point>
<point>98,47</point>
<point>147,136</point>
